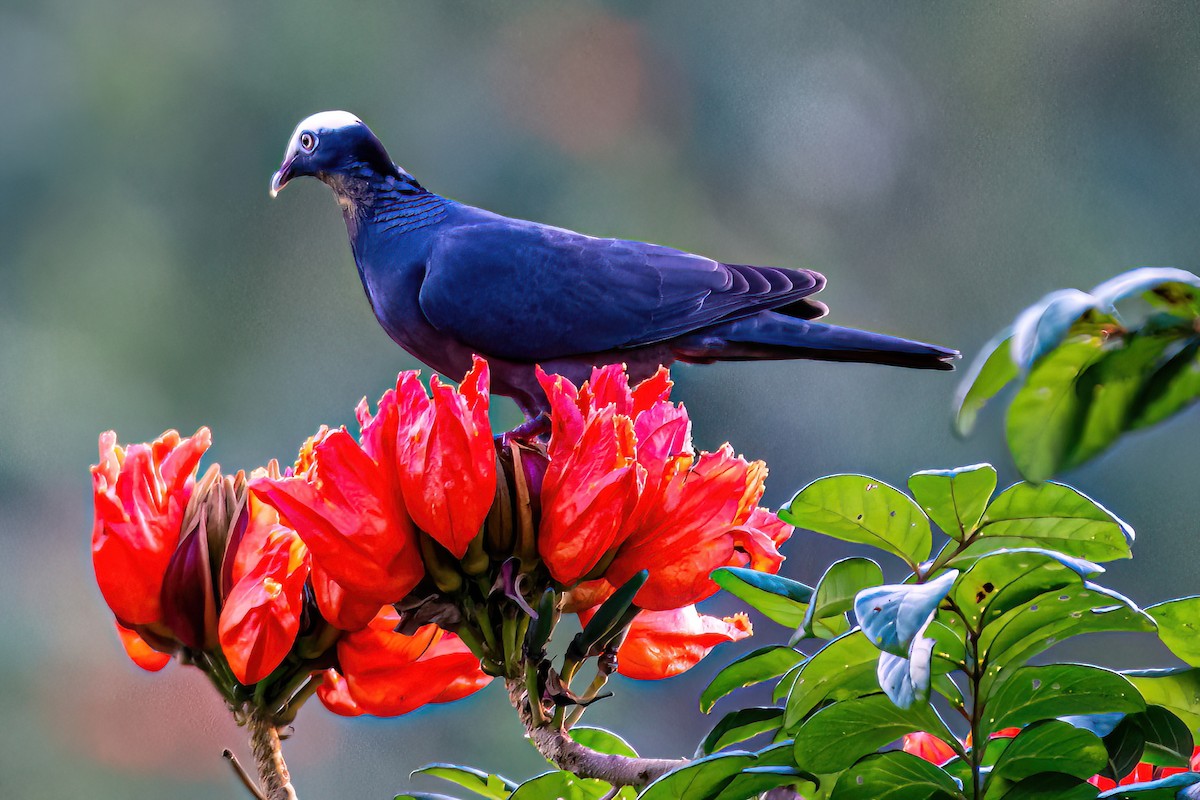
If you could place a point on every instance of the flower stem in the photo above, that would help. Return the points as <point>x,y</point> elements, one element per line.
<point>557,746</point>
<point>273,773</point>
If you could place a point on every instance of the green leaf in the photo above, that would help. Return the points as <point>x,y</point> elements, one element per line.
<point>1053,617</point>
<point>954,498</point>
<point>1047,413</point>
<point>1169,742</point>
<point>1029,694</point>
<point>1111,387</point>
<point>560,785</point>
<point>1055,517</point>
<point>1044,326</point>
<point>1164,286</point>
<point>753,781</point>
<point>895,775</point>
<point>1124,746</point>
<point>701,779</point>
<point>755,667</point>
<point>494,787</point>
<point>1171,389</point>
<point>990,372</point>
<point>840,734</point>
<point>781,599</point>
<point>1052,746</point>
<point>891,616</point>
<point>424,796</point>
<point>1051,786</point>
<point>740,725</point>
<point>603,741</point>
<point>1003,580</point>
<point>1177,690</point>
<point>837,589</point>
<point>863,510</point>
<point>843,668</point>
<point>1179,627</point>
<point>1167,788</point>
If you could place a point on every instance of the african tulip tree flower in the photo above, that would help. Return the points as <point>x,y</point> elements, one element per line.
<point>1143,773</point>
<point>347,507</point>
<point>690,513</point>
<point>446,461</point>
<point>384,673</point>
<point>140,494</point>
<point>662,644</point>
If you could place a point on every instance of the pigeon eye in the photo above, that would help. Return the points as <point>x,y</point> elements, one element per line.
<point>308,142</point>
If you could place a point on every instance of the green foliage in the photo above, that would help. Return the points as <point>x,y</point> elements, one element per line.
<point>1015,575</point>
<point>1090,368</point>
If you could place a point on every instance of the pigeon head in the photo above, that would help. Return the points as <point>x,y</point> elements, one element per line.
<point>337,148</point>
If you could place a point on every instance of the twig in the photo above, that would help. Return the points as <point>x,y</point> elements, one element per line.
<point>243,776</point>
<point>563,751</point>
<point>268,756</point>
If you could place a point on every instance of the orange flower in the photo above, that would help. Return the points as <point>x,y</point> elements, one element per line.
<point>386,674</point>
<point>703,518</point>
<point>692,514</point>
<point>347,508</point>
<point>662,644</point>
<point>929,747</point>
<point>446,461</point>
<point>140,496</point>
<point>1144,772</point>
<point>590,487</point>
<point>261,616</point>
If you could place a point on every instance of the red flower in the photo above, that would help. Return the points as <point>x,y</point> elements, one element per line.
<point>261,616</point>
<point>692,513</point>
<point>590,487</point>
<point>1144,772</point>
<point>347,508</point>
<point>387,673</point>
<point>704,517</point>
<point>929,747</point>
<point>662,644</point>
<point>140,496</point>
<point>140,652</point>
<point>445,457</point>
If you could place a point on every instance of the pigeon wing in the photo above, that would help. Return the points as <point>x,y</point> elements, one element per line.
<point>529,292</point>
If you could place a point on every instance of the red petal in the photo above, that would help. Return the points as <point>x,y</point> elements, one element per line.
<point>142,654</point>
<point>929,747</point>
<point>140,496</point>
<point>340,608</point>
<point>662,644</point>
<point>261,616</point>
<point>388,673</point>
<point>334,694</point>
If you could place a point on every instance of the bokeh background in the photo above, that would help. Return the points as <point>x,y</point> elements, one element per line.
<point>944,164</point>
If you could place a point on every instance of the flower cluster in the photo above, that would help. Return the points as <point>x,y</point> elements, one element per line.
<point>201,569</point>
<point>402,566</point>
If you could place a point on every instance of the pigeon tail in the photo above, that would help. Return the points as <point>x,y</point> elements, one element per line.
<point>770,335</point>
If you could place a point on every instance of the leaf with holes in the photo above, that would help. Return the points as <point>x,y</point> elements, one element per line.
<point>895,776</point>
<point>954,498</point>
<point>840,734</point>
<point>893,615</point>
<point>1029,694</point>
<point>1055,517</point>
<point>1179,627</point>
<point>863,510</point>
<point>1006,578</point>
<point>842,669</point>
<point>835,593</point>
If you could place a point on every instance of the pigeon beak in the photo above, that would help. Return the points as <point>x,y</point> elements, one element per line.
<point>280,178</point>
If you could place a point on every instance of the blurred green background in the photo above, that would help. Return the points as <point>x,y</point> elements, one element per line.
<point>944,164</point>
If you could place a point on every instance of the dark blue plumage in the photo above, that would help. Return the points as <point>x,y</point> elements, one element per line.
<point>447,280</point>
